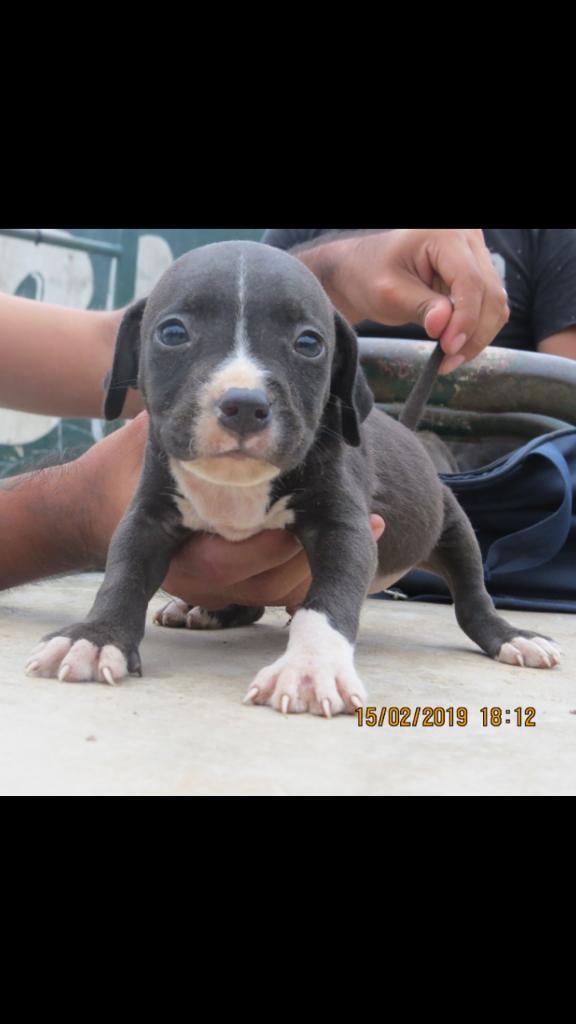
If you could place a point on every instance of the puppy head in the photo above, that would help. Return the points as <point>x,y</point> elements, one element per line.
<point>240,357</point>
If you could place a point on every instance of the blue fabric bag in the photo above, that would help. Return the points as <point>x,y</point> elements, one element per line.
<point>523,510</point>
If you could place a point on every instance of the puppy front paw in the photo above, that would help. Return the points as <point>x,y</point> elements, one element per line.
<point>530,651</point>
<point>316,673</point>
<point>76,658</point>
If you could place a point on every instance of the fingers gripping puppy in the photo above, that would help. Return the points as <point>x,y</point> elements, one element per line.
<point>260,418</point>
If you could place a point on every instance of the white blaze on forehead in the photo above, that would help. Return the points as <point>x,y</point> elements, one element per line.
<point>240,335</point>
<point>239,369</point>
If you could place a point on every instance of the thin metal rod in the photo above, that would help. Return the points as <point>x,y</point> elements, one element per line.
<point>38,236</point>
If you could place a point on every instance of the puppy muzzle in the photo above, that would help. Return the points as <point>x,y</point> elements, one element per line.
<point>244,411</point>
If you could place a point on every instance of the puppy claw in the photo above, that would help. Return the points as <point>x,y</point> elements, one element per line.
<point>31,667</point>
<point>284,703</point>
<point>252,693</point>
<point>326,708</point>
<point>108,676</point>
<point>64,673</point>
<point>546,657</point>
<point>355,701</point>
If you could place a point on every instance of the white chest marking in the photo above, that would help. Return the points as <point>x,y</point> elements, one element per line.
<point>234,513</point>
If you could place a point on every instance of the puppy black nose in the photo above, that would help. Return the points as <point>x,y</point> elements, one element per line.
<point>244,411</point>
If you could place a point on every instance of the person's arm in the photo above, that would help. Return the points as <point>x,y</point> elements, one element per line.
<point>43,524</point>
<point>54,359</point>
<point>441,278</point>
<point>61,519</point>
<point>562,344</point>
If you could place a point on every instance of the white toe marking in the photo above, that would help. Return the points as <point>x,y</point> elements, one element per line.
<point>510,655</point>
<point>315,674</point>
<point>112,665</point>
<point>48,656</point>
<point>531,652</point>
<point>78,662</point>
<point>197,618</point>
<point>82,658</point>
<point>172,614</point>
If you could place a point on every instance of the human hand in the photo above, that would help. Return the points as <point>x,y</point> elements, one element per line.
<point>440,278</point>
<point>270,568</point>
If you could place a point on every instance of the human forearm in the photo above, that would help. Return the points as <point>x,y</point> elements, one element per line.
<point>327,256</point>
<point>43,525</point>
<point>440,278</point>
<point>54,359</point>
<point>61,519</point>
<point>562,344</point>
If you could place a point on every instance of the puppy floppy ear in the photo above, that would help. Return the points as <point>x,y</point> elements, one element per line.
<point>124,372</point>
<point>349,383</point>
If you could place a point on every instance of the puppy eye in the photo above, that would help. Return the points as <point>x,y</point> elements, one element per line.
<point>309,345</point>
<point>173,333</point>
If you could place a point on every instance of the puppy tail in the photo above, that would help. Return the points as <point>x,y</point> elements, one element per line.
<point>416,401</point>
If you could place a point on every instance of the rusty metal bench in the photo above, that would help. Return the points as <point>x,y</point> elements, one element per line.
<point>502,399</point>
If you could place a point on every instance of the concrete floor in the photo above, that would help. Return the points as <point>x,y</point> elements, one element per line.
<point>182,728</point>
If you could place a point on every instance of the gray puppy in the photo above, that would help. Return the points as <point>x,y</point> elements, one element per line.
<point>260,418</point>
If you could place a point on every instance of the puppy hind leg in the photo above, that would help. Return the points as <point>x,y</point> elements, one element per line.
<point>179,614</point>
<point>172,614</point>
<point>457,559</point>
<point>230,617</point>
